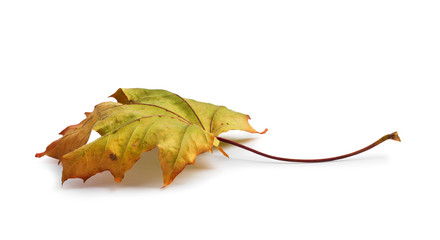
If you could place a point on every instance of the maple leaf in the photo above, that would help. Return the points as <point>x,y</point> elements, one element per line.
<point>142,120</point>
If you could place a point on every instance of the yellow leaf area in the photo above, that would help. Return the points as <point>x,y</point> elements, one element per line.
<point>141,120</point>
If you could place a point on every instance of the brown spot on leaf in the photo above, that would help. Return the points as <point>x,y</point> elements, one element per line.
<point>134,144</point>
<point>113,157</point>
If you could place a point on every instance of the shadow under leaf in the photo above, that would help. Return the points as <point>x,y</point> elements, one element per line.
<point>145,173</point>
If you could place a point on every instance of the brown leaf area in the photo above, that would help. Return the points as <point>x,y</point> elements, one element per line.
<point>142,120</point>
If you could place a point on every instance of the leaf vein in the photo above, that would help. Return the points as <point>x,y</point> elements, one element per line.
<point>213,117</point>
<point>180,148</point>
<point>148,130</point>
<point>195,114</point>
<point>126,145</point>
<point>153,105</point>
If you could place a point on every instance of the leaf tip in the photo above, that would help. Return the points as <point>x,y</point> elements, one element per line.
<point>38,155</point>
<point>85,179</point>
<point>63,179</point>
<point>223,152</point>
<point>120,96</point>
<point>264,131</point>
<point>118,179</point>
<point>169,178</point>
<point>166,183</point>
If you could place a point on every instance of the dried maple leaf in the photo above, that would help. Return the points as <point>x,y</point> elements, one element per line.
<point>144,119</point>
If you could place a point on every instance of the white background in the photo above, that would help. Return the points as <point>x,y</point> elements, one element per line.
<point>326,78</point>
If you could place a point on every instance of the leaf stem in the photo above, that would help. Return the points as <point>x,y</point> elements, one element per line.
<point>392,136</point>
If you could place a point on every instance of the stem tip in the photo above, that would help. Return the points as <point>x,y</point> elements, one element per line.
<point>394,136</point>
